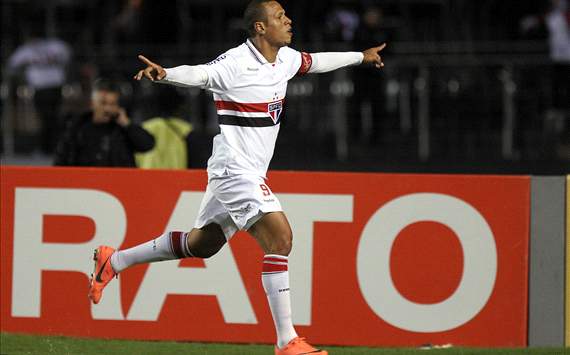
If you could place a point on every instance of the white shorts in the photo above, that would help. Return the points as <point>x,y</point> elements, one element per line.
<point>236,203</point>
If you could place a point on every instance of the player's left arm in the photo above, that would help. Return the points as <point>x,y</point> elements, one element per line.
<point>328,61</point>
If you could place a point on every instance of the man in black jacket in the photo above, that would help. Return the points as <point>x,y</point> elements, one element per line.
<point>104,136</point>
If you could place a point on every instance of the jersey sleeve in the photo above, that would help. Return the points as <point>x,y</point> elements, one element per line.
<point>328,61</point>
<point>222,73</point>
<point>298,63</point>
<point>185,76</point>
<point>306,63</point>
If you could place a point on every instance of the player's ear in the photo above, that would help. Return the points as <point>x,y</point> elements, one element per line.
<point>259,27</point>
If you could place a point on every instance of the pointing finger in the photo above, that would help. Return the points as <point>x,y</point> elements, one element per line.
<point>145,60</point>
<point>378,49</point>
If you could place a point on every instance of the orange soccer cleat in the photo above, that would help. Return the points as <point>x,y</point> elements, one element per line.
<point>102,273</point>
<point>299,346</point>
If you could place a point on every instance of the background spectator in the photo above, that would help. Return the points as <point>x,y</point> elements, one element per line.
<point>104,136</point>
<point>369,84</point>
<point>556,21</point>
<point>41,63</point>
<point>169,130</point>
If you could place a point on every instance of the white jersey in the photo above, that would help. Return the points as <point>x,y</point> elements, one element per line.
<point>249,93</point>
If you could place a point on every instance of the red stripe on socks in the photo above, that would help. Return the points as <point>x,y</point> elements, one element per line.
<point>176,245</point>
<point>274,263</point>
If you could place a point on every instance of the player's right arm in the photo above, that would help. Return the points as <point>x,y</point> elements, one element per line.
<point>184,75</point>
<point>217,76</point>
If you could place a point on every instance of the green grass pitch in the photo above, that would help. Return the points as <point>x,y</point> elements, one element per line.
<point>28,344</point>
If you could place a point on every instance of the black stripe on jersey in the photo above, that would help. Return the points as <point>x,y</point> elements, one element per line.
<point>246,121</point>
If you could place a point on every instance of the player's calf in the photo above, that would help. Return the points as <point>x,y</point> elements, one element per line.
<point>206,242</point>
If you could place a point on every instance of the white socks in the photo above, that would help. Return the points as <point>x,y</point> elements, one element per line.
<point>275,275</point>
<point>169,246</point>
<point>275,279</point>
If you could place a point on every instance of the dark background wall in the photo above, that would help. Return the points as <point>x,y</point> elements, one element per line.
<point>468,86</point>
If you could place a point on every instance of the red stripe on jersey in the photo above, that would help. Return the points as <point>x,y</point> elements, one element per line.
<point>274,268</point>
<point>243,106</point>
<point>306,62</point>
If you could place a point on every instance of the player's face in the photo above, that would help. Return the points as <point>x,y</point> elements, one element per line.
<point>278,29</point>
<point>105,106</point>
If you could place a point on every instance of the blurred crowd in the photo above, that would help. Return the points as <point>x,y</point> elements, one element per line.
<point>465,81</point>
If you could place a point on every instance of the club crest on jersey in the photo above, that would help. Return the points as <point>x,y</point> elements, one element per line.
<point>274,109</point>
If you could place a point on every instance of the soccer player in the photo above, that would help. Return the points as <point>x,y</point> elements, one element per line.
<point>249,83</point>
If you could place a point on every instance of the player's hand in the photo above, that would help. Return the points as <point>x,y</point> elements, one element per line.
<point>152,71</point>
<point>372,56</point>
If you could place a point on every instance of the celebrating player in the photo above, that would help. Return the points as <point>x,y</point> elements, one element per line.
<point>249,83</point>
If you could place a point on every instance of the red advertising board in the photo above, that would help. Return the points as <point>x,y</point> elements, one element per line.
<point>378,259</point>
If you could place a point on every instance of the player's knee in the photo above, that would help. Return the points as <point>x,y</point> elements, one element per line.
<point>283,244</point>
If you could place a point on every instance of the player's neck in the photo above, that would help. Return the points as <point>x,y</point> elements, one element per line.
<point>267,50</point>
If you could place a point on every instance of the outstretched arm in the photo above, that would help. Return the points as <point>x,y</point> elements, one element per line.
<point>184,75</point>
<point>329,61</point>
